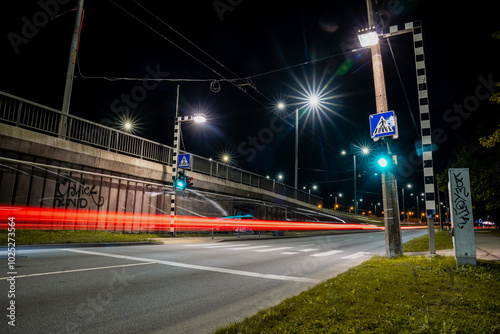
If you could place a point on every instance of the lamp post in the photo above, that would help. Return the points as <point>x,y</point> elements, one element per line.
<point>364,150</point>
<point>393,239</point>
<point>403,193</point>
<point>313,102</point>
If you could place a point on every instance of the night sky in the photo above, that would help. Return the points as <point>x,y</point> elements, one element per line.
<point>261,53</point>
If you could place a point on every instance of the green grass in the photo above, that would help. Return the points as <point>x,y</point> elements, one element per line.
<point>420,244</point>
<point>403,295</point>
<point>29,237</point>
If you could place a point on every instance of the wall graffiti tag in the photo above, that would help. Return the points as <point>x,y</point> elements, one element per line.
<point>461,210</point>
<point>462,216</point>
<point>77,195</point>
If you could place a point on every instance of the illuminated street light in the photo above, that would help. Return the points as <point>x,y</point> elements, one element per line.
<point>364,150</point>
<point>199,118</point>
<point>368,37</point>
<point>313,102</point>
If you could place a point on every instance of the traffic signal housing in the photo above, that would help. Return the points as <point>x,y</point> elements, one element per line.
<point>182,181</point>
<point>385,161</point>
<point>189,182</point>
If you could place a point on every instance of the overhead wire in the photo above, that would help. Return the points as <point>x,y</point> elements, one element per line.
<point>401,82</point>
<point>215,83</point>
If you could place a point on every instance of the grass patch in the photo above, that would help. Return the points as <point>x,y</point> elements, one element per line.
<point>421,244</point>
<point>403,295</point>
<point>31,237</point>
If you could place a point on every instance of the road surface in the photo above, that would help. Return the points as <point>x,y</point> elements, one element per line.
<point>184,286</point>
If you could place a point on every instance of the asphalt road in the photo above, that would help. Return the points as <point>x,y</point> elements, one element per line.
<point>184,286</point>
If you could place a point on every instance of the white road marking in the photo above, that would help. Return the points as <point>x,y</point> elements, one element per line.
<point>249,247</point>
<point>226,246</point>
<point>290,253</point>
<point>356,255</point>
<point>78,270</point>
<point>200,245</point>
<point>306,250</point>
<point>271,249</point>
<point>198,267</point>
<point>307,245</point>
<point>328,253</point>
<point>348,239</point>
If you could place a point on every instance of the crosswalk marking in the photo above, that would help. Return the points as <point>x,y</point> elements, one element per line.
<point>356,255</point>
<point>271,249</point>
<point>307,250</point>
<point>328,253</point>
<point>249,247</point>
<point>226,246</point>
<point>200,245</point>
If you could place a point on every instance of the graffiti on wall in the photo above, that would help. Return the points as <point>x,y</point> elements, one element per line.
<point>77,195</point>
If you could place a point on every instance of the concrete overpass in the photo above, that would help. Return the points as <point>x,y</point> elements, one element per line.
<point>93,167</point>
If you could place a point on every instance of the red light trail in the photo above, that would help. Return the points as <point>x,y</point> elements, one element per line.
<point>34,218</point>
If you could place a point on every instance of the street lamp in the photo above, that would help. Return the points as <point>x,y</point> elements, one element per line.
<point>368,37</point>
<point>313,101</point>
<point>199,118</point>
<point>364,150</point>
<point>403,192</point>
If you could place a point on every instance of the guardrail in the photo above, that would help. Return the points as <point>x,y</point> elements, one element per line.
<point>23,113</point>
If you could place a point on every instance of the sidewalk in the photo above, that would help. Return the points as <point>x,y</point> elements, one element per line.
<point>487,247</point>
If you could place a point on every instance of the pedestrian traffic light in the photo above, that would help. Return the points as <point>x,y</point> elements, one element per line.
<point>382,162</point>
<point>189,182</point>
<point>183,181</point>
<point>180,181</point>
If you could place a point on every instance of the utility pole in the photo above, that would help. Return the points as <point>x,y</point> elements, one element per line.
<point>63,123</point>
<point>393,240</point>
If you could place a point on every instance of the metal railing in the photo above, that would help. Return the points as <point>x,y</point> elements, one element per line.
<point>36,117</point>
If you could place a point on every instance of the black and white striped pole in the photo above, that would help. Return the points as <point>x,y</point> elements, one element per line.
<point>391,217</point>
<point>425,124</point>
<point>198,118</point>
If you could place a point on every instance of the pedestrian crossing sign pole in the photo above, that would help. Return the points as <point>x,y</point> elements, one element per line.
<point>383,124</point>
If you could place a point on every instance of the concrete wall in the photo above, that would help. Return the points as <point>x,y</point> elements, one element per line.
<point>44,171</point>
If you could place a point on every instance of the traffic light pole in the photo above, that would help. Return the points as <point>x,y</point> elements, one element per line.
<point>393,240</point>
<point>175,163</point>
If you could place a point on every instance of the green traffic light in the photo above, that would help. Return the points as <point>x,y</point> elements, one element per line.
<point>180,184</point>
<point>383,162</point>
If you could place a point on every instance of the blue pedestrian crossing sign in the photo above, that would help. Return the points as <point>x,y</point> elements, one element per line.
<point>383,124</point>
<point>184,160</point>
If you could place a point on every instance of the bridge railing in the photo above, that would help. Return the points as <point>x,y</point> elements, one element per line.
<point>26,114</point>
